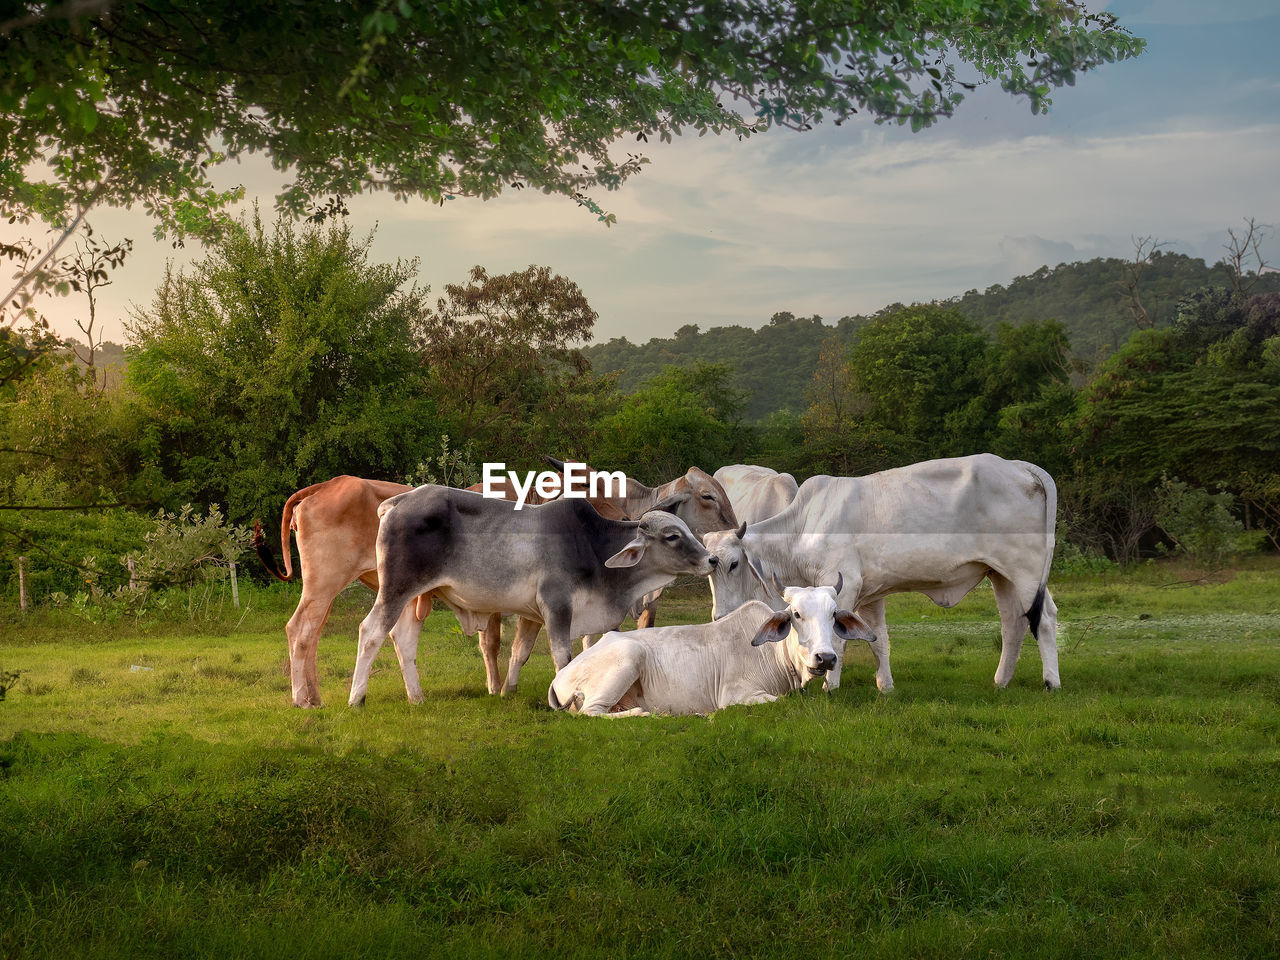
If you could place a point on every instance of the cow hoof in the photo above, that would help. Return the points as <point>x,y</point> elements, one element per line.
<point>356,704</point>
<point>1050,686</point>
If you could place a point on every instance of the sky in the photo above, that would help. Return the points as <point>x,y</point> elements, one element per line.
<point>1179,144</point>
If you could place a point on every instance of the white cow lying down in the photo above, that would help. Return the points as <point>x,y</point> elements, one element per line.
<point>753,655</point>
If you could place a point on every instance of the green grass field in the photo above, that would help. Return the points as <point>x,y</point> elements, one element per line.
<point>186,809</point>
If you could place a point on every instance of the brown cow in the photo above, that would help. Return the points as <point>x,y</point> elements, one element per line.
<point>336,526</point>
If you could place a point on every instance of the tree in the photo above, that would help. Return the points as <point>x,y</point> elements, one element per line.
<point>1197,401</point>
<point>1241,249</point>
<point>686,416</point>
<point>504,358</point>
<point>921,366</point>
<point>132,103</point>
<point>283,358</point>
<point>89,270</point>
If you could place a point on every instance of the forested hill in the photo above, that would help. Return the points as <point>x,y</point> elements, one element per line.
<point>1090,298</point>
<point>775,363</point>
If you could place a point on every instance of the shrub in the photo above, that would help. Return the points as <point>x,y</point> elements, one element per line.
<point>1201,526</point>
<point>185,547</point>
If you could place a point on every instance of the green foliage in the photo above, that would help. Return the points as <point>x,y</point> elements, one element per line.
<point>1197,400</point>
<point>184,547</point>
<point>60,544</point>
<point>7,679</point>
<point>1201,526</point>
<point>506,371</point>
<point>1087,297</point>
<point>686,416</point>
<point>925,381</point>
<point>451,467</point>
<point>468,98</point>
<point>773,364</point>
<point>283,358</point>
<point>1071,561</point>
<point>919,368</point>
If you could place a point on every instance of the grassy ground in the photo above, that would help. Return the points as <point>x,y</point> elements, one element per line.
<point>185,808</point>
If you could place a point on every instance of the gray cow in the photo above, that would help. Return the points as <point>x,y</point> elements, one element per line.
<point>560,563</point>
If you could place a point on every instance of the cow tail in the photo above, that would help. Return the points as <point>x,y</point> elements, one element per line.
<point>1050,489</point>
<point>552,700</point>
<point>266,556</point>
<point>286,524</point>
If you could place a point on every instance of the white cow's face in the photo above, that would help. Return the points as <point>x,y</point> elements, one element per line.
<point>734,580</point>
<point>813,645</point>
<point>814,631</point>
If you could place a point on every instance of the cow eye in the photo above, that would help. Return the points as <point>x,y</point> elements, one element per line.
<point>733,566</point>
<point>671,538</point>
<point>708,496</point>
<point>796,614</point>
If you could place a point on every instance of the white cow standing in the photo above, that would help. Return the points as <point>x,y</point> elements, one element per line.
<point>753,655</point>
<point>756,492</point>
<point>936,528</point>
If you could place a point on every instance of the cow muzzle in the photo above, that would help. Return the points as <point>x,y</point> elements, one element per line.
<point>825,662</point>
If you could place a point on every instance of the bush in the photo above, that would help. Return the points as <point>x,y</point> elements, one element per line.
<point>184,547</point>
<point>57,542</point>
<point>1070,561</point>
<point>1201,525</point>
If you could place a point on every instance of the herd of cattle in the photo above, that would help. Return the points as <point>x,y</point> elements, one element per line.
<point>795,572</point>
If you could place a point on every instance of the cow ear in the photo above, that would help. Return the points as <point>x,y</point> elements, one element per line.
<point>629,555</point>
<point>672,503</point>
<point>850,626</point>
<point>774,629</point>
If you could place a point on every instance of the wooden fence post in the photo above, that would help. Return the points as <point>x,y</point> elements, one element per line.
<point>22,584</point>
<point>235,587</point>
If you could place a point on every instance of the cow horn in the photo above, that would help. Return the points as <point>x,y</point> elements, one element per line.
<point>777,587</point>
<point>558,464</point>
<point>742,530</point>
<point>839,583</point>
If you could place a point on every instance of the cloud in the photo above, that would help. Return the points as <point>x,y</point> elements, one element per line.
<point>717,231</point>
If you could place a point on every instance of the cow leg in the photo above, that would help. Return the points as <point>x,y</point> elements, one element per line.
<point>1047,640</point>
<point>873,614</point>
<point>521,647</point>
<point>559,625</point>
<point>648,615</point>
<point>404,635</point>
<point>374,628</point>
<point>1013,626</point>
<point>589,639</point>
<point>303,632</point>
<point>490,639</point>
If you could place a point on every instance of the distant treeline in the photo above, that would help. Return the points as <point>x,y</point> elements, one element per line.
<point>286,357</point>
<point>775,363</point>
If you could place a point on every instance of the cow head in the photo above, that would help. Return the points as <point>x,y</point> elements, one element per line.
<point>667,546</point>
<point>699,500</point>
<point>737,576</point>
<point>814,631</point>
